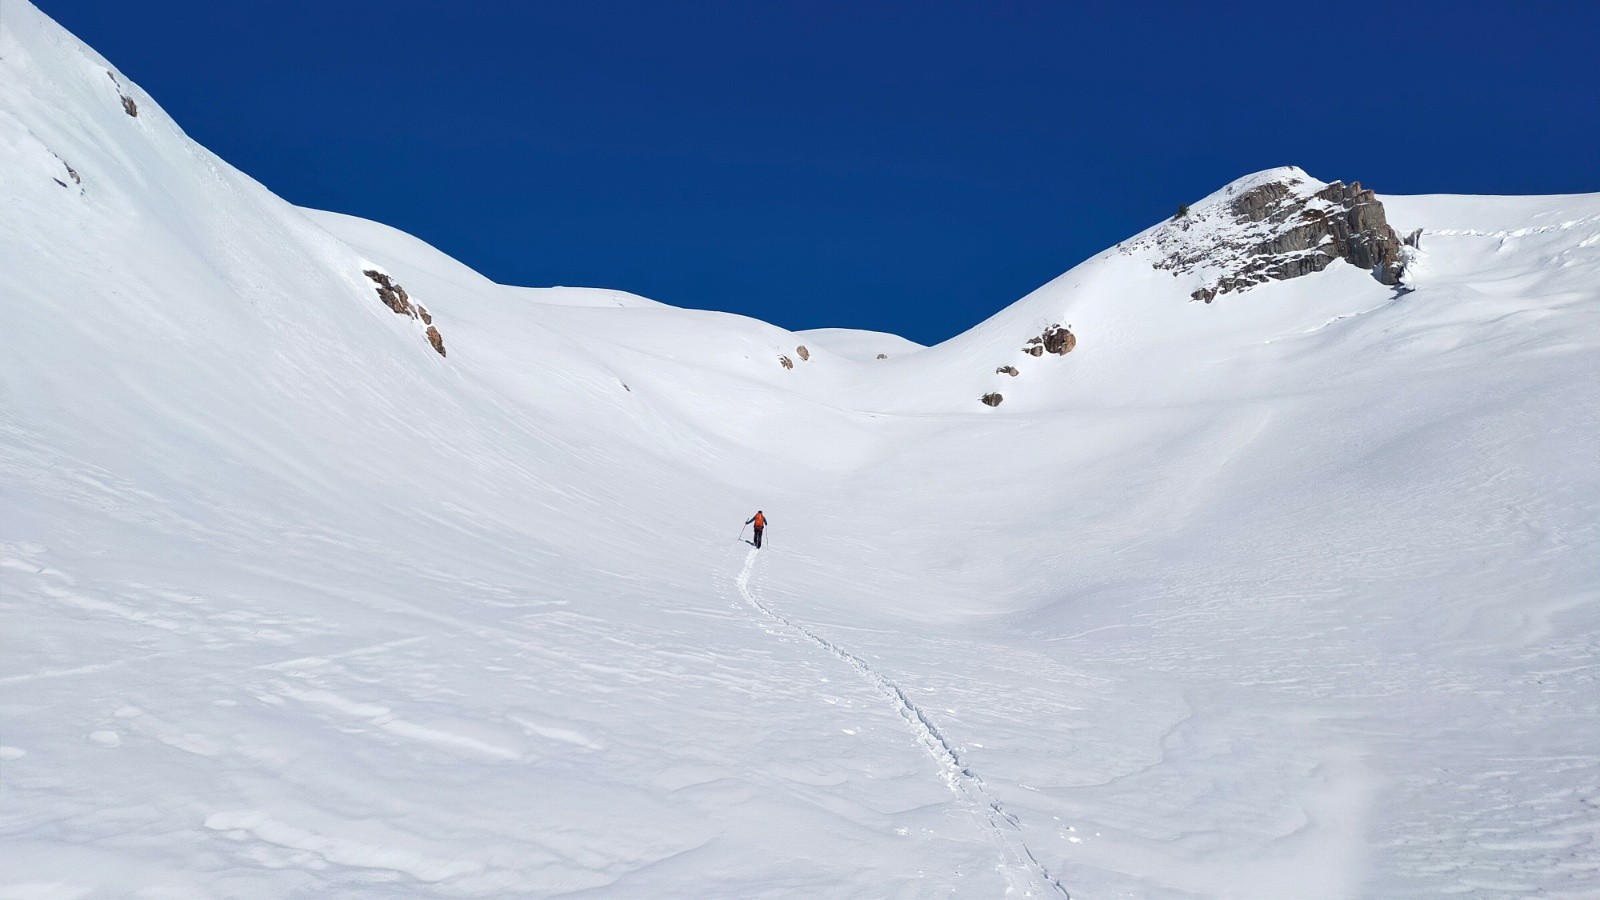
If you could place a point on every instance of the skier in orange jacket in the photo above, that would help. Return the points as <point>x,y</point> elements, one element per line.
<point>760,521</point>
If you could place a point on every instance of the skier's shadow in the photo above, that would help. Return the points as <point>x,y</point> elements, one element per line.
<point>750,542</point>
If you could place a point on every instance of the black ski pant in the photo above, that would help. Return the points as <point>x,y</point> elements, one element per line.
<point>758,536</point>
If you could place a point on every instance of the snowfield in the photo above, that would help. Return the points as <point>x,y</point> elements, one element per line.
<point>1291,595</point>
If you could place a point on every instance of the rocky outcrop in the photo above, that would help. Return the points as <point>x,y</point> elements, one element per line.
<point>786,362</point>
<point>803,353</point>
<point>395,297</point>
<point>991,399</point>
<point>1279,228</point>
<point>1007,370</point>
<point>883,356</point>
<point>128,106</point>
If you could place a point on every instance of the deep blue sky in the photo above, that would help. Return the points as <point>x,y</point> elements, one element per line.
<point>909,167</point>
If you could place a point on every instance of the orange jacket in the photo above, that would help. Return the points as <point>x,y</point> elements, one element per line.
<point>760,520</point>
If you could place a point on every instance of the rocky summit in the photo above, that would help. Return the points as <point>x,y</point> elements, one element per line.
<point>1283,226</point>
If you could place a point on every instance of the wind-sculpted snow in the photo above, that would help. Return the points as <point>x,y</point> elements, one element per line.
<point>1291,595</point>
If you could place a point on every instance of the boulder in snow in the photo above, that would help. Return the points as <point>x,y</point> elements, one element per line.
<point>1058,340</point>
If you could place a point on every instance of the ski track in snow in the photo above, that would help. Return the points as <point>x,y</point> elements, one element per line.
<point>1024,873</point>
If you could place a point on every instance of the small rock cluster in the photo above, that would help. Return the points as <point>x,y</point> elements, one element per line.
<point>800,351</point>
<point>395,297</point>
<point>1057,339</point>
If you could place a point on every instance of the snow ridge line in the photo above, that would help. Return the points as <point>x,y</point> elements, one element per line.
<point>1004,829</point>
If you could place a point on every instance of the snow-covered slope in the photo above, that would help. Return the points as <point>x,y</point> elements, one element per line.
<point>860,345</point>
<point>1289,594</point>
